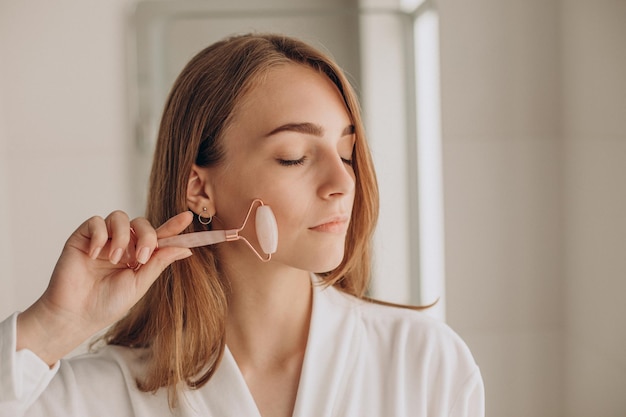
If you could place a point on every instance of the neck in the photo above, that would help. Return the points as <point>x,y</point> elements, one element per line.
<point>269,310</point>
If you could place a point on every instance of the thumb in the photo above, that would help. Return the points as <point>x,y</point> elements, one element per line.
<point>161,259</point>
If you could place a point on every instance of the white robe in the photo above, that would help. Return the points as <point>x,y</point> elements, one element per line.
<point>361,359</point>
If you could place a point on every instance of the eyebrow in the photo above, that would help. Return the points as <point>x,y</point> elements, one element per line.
<point>309,129</point>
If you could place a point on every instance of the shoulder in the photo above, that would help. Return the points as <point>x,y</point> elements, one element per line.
<point>420,338</point>
<point>411,352</point>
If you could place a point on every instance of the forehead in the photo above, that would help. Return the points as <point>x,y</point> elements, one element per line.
<point>288,93</point>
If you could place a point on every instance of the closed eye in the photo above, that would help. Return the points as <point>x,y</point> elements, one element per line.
<point>291,162</point>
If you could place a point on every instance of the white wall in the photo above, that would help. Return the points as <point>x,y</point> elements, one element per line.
<point>384,111</point>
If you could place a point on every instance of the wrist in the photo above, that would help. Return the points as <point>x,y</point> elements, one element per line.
<point>50,336</point>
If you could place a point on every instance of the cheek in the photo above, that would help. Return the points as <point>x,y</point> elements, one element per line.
<point>282,193</point>
<point>292,217</point>
<point>290,214</point>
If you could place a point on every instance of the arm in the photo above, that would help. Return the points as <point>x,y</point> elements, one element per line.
<point>91,288</point>
<point>23,375</point>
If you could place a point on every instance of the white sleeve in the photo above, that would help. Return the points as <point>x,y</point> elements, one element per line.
<point>23,375</point>
<point>470,402</point>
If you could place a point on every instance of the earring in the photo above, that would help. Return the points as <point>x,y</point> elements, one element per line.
<point>204,220</point>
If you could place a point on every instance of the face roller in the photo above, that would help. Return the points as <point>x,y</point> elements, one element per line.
<point>266,231</point>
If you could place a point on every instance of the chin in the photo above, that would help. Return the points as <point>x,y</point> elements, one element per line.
<point>315,257</point>
<point>327,265</point>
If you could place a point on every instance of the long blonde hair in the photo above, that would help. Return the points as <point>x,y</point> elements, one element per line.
<point>182,317</point>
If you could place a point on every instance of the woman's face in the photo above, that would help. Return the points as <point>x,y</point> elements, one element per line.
<point>290,144</point>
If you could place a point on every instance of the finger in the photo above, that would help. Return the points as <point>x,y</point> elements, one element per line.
<point>94,230</point>
<point>157,264</point>
<point>175,225</point>
<point>118,226</point>
<point>146,239</point>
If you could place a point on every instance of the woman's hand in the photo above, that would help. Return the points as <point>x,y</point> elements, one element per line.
<point>96,281</point>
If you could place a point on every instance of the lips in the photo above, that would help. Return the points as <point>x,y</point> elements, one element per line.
<point>335,224</point>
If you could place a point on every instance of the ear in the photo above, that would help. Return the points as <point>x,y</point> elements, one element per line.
<point>199,192</point>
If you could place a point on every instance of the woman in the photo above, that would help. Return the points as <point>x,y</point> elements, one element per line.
<point>218,332</point>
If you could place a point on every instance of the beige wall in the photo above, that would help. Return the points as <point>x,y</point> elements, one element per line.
<point>534,126</point>
<point>502,185</point>
<point>64,114</point>
<point>7,284</point>
<point>594,156</point>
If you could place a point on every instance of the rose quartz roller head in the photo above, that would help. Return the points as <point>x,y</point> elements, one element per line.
<point>266,232</point>
<point>266,229</point>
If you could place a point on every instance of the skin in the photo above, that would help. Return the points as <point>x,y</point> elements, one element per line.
<point>290,144</point>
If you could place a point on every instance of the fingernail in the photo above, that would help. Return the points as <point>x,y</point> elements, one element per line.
<point>116,256</point>
<point>95,252</point>
<point>143,256</point>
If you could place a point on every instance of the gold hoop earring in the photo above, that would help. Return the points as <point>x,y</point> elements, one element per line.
<point>204,220</point>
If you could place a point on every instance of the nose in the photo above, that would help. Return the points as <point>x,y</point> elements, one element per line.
<point>337,178</point>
